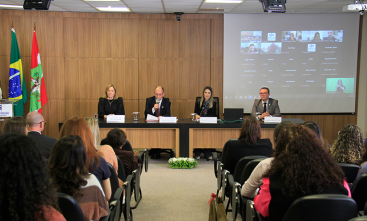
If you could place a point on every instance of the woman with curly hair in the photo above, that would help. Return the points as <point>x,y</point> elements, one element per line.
<point>95,163</point>
<point>25,190</point>
<point>249,143</point>
<point>363,168</point>
<point>347,147</point>
<point>69,173</point>
<point>301,167</point>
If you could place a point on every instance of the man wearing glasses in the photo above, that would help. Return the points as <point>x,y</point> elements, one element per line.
<point>35,125</point>
<point>265,107</point>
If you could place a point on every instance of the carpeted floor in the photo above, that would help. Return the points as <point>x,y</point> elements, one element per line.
<point>176,194</point>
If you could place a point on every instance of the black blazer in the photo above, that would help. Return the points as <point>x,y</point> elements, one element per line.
<point>211,111</point>
<point>103,102</point>
<point>165,109</point>
<point>235,149</point>
<point>44,143</point>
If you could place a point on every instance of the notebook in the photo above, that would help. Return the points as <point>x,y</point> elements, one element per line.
<point>231,114</point>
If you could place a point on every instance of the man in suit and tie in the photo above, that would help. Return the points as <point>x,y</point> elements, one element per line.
<point>158,105</point>
<point>265,106</point>
<point>35,125</point>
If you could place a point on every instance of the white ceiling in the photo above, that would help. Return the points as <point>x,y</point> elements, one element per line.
<point>192,6</point>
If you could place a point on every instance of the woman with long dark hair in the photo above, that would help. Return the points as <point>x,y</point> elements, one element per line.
<point>26,191</point>
<point>69,172</point>
<point>95,164</point>
<point>249,143</point>
<point>301,167</point>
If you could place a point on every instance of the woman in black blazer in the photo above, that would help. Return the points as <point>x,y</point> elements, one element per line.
<point>205,107</point>
<point>110,104</point>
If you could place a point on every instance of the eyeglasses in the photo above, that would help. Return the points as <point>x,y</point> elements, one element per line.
<point>263,93</point>
<point>43,122</point>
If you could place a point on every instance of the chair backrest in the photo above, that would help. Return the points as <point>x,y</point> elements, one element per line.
<point>359,191</point>
<point>250,166</point>
<point>216,99</point>
<point>116,205</point>
<point>319,207</point>
<point>121,174</point>
<point>240,166</point>
<point>350,171</point>
<point>113,180</point>
<point>69,207</point>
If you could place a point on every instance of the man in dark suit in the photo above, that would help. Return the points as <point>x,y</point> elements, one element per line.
<point>265,106</point>
<point>35,125</point>
<point>158,105</point>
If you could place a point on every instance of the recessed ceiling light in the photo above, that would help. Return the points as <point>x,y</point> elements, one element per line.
<point>114,9</point>
<point>223,1</point>
<point>11,6</point>
<point>102,0</point>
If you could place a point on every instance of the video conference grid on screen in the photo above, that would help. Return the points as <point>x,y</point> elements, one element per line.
<point>309,67</point>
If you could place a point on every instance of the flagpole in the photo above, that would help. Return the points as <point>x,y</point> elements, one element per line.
<point>34,26</point>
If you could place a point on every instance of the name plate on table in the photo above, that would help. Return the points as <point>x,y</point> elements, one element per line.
<point>6,110</point>
<point>272,119</point>
<point>208,120</point>
<point>115,118</point>
<point>168,120</point>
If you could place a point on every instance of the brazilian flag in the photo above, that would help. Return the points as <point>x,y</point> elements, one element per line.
<point>17,88</point>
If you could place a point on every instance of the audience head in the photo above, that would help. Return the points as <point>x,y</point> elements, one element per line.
<point>93,126</point>
<point>281,127</point>
<point>24,185</point>
<point>250,131</point>
<point>116,138</point>
<point>347,147</point>
<point>15,125</point>
<point>35,121</point>
<point>364,157</point>
<point>317,130</point>
<point>303,163</point>
<point>78,126</point>
<point>67,164</point>
<point>110,92</point>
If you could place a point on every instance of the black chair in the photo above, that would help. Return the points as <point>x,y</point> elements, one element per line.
<point>127,209</point>
<point>115,208</point>
<point>359,191</point>
<point>70,208</point>
<point>239,201</point>
<point>135,185</point>
<point>230,179</point>
<point>113,180</point>
<point>350,171</point>
<point>318,207</point>
<point>121,173</point>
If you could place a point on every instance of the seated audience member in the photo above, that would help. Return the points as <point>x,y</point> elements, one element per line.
<point>206,107</point>
<point>303,168</point>
<point>105,151</point>
<point>363,168</point>
<point>110,104</point>
<point>249,188</point>
<point>317,130</point>
<point>95,163</point>
<point>15,125</point>
<point>248,144</point>
<point>116,138</point>
<point>347,147</point>
<point>35,125</point>
<point>26,191</point>
<point>70,175</point>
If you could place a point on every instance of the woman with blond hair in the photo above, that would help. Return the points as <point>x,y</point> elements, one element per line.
<point>96,164</point>
<point>110,104</point>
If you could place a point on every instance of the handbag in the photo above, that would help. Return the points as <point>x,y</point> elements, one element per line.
<point>217,211</point>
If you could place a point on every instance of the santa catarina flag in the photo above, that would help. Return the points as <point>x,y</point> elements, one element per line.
<point>17,88</point>
<point>38,89</point>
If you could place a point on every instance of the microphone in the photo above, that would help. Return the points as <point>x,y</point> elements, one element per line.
<point>157,101</point>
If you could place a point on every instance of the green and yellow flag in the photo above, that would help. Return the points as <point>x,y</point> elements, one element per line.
<point>17,88</point>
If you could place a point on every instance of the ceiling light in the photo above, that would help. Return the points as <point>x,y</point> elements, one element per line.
<point>11,6</point>
<point>114,9</point>
<point>102,0</point>
<point>354,7</point>
<point>223,1</point>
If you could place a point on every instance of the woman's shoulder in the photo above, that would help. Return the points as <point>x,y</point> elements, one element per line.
<point>51,214</point>
<point>265,141</point>
<point>119,99</point>
<point>93,181</point>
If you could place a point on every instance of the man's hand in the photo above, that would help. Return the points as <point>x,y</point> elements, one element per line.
<point>266,114</point>
<point>156,106</point>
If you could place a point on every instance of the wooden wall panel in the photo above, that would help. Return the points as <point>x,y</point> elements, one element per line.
<point>195,37</point>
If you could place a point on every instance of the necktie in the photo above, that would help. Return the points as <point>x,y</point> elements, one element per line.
<point>264,107</point>
<point>157,112</point>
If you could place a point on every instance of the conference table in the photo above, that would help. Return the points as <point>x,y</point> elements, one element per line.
<point>184,136</point>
